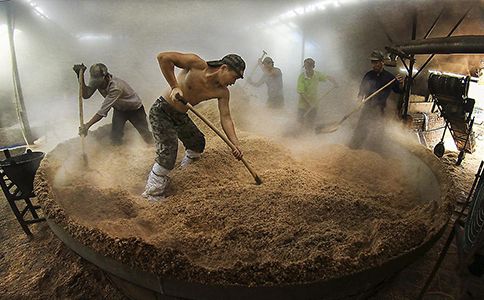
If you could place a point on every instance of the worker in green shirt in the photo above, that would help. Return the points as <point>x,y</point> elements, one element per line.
<point>308,90</point>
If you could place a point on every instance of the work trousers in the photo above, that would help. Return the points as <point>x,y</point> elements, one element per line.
<point>369,132</point>
<point>137,118</point>
<point>168,126</point>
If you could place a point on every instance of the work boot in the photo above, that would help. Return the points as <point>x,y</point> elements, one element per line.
<point>157,182</point>
<point>190,157</point>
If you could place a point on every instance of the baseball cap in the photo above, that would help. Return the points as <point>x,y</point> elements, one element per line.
<point>376,55</point>
<point>234,61</point>
<point>267,60</point>
<point>310,61</point>
<point>96,75</point>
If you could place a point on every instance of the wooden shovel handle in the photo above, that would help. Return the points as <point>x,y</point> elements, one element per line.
<point>221,135</point>
<point>81,114</point>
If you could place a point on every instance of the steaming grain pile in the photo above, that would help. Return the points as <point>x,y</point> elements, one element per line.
<point>332,214</point>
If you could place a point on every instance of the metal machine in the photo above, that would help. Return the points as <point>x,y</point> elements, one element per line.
<point>450,97</point>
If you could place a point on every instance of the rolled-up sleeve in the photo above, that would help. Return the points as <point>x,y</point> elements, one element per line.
<point>108,102</point>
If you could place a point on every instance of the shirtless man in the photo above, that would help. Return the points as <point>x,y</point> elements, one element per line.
<point>198,81</point>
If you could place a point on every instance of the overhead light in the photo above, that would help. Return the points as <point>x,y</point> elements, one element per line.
<point>93,37</point>
<point>37,10</point>
<point>40,10</point>
<point>299,10</point>
<point>311,8</point>
<point>287,15</point>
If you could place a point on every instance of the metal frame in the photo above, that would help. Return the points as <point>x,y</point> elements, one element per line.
<point>406,52</point>
<point>13,194</point>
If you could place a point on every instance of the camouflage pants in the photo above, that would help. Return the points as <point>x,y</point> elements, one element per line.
<point>168,126</point>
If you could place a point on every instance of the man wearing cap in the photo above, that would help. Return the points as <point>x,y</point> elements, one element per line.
<point>198,81</point>
<point>307,88</point>
<point>372,112</point>
<point>118,95</point>
<point>273,79</point>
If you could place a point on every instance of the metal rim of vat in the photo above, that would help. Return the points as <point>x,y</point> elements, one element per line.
<point>338,287</point>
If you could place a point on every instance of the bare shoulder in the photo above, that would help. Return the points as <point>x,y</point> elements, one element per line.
<point>195,61</point>
<point>277,72</point>
<point>183,60</point>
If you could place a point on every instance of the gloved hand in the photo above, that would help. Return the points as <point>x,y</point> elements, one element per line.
<point>83,130</point>
<point>78,67</point>
<point>174,92</point>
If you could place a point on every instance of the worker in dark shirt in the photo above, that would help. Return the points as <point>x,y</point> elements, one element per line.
<point>273,79</point>
<point>372,112</point>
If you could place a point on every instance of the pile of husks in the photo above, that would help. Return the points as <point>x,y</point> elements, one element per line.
<point>317,216</point>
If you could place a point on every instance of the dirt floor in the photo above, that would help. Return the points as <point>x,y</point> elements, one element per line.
<point>58,273</point>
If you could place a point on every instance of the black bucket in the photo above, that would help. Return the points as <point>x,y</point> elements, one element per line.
<point>21,169</point>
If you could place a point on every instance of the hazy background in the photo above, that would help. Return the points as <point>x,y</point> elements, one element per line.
<point>52,35</point>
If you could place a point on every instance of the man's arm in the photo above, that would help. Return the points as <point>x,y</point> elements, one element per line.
<point>113,95</point>
<point>87,91</point>
<point>168,61</point>
<point>258,83</point>
<point>84,129</point>
<point>275,72</point>
<point>228,124</point>
<point>323,77</point>
<point>397,86</point>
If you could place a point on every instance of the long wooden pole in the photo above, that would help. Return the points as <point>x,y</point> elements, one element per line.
<point>317,103</point>
<point>81,115</point>
<point>222,136</point>
<point>334,126</point>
